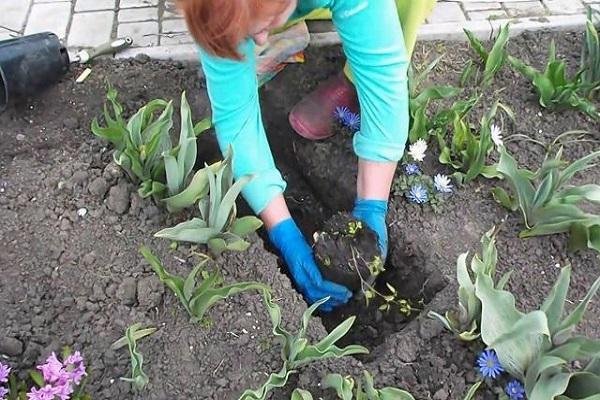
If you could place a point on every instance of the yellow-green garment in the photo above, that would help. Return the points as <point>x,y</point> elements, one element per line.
<point>378,49</point>
<point>412,14</point>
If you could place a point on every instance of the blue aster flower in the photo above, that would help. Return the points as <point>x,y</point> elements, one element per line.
<point>514,390</point>
<point>418,194</point>
<point>489,365</point>
<point>352,121</point>
<point>341,113</point>
<point>412,169</point>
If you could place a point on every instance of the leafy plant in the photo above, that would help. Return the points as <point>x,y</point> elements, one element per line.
<point>300,394</point>
<point>138,379</point>
<point>553,87</point>
<point>421,123</point>
<point>494,59</point>
<point>196,190</point>
<point>143,143</point>
<point>196,298</point>
<point>590,58</point>
<point>140,142</point>
<point>180,160</point>
<point>365,390</point>
<point>218,226</point>
<point>538,347</point>
<point>548,204</point>
<point>468,151</point>
<point>296,350</point>
<point>465,320</point>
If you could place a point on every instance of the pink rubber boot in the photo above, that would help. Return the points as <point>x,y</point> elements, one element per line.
<point>312,118</point>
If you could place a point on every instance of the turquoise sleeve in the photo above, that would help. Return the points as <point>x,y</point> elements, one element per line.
<point>374,45</point>
<point>233,92</point>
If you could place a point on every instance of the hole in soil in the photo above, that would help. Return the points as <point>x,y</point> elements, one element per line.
<point>411,273</point>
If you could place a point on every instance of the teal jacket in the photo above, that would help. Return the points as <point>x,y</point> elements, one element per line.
<point>374,46</point>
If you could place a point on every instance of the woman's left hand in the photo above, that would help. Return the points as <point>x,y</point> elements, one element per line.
<point>373,213</point>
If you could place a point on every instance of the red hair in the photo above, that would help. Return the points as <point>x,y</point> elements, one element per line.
<point>219,26</point>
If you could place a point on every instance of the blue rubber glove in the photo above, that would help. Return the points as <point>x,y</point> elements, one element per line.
<point>372,213</point>
<point>300,260</point>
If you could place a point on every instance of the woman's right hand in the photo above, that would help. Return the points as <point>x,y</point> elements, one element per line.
<point>299,258</point>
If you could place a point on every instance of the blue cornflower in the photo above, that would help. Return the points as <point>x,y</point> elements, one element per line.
<point>489,365</point>
<point>412,169</point>
<point>515,390</point>
<point>352,121</point>
<point>341,113</point>
<point>418,194</point>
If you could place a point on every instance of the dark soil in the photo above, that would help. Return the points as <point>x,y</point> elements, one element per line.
<point>78,280</point>
<point>347,252</point>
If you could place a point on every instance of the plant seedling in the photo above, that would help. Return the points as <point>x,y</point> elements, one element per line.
<point>553,87</point>
<point>468,151</point>
<point>297,350</point>
<point>492,60</point>
<point>548,203</point>
<point>196,298</point>
<point>138,379</point>
<point>590,57</point>
<point>218,226</point>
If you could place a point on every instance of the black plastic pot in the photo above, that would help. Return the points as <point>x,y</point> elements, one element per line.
<point>28,64</point>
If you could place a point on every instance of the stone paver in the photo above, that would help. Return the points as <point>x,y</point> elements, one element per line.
<point>158,29</point>
<point>13,14</point>
<point>447,12</point>
<point>527,9</point>
<point>6,34</point>
<point>481,5</point>
<point>53,17</point>
<point>487,14</point>
<point>144,33</point>
<point>138,3</point>
<point>91,28</point>
<point>174,25</point>
<point>94,5</point>
<point>138,14</point>
<point>565,6</point>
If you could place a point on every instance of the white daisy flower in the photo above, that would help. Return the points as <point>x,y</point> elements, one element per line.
<point>442,183</point>
<point>497,135</point>
<point>417,150</point>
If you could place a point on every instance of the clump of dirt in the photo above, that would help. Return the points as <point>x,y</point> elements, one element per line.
<point>347,252</point>
<point>415,278</point>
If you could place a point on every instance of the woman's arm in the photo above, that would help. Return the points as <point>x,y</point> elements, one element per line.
<point>374,45</point>
<point>233,92</point>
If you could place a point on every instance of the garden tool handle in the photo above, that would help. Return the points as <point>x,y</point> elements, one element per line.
<point>112,47</point>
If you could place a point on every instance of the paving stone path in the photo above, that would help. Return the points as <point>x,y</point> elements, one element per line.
<point>159,31</point>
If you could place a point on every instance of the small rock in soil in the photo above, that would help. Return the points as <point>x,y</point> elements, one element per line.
<point>149,292</point>
<point>71,123</point>
<point>98,291</point>
<point>118,198</point>
<point>112,172</point>
<point>142,58</point>
<point>89,259</point>
<point>441,394</point>
<point>32,353</point>
<point>99,187</point>
<point>65,224</point>
<point>407,349</point>
<point>429,329</point>
<point>126,291</point>
<point>80,177</point>
<point>10,346</point>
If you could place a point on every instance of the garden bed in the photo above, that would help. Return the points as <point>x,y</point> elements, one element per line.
<point>70,277</point>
